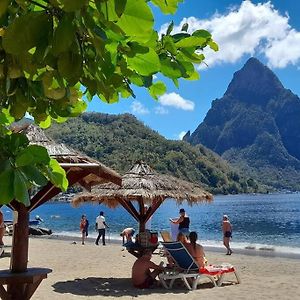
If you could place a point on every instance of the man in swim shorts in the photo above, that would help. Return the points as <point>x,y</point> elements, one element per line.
<point>227,233</point>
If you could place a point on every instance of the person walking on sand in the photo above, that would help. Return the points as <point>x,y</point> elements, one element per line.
<point>227,233</point>
<point>84,226</point>
<point>101,226</point>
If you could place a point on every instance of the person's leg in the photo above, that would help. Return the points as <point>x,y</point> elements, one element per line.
<point>98,237</point>
<point>226,244</point>
<point>2,232</point>
<point>103,237</point>
<point>82,237</point>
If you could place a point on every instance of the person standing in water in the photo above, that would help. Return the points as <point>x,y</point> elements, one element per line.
<point>227,233</point>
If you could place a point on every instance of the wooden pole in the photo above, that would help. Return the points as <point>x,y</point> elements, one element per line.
<point>19,255</point>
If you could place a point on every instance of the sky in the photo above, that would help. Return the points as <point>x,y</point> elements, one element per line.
<point>267,30</point>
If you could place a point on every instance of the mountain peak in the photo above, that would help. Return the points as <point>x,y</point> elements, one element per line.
<point>254,83</point>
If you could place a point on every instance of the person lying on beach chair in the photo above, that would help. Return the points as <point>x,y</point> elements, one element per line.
<point>142,276</point>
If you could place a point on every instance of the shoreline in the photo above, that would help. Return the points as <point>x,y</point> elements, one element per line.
<point>251,251</point>
<point>96,272</point>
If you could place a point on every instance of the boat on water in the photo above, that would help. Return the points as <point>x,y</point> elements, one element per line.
<point>34,228</point>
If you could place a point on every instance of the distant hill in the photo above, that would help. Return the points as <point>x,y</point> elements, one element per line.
<point>120,140</point>
<point>256,127</point>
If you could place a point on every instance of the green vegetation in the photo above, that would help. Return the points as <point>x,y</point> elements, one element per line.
<point>119,141</point>
<point>50,49</point>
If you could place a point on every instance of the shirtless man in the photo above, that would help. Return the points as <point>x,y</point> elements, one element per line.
<point>128,234</point>
<point>227,233</point>
<point>142,276</point>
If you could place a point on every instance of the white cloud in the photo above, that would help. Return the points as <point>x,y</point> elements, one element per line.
<point>181,134</point>
<point>176,101</point>
<point>138,108</point>
<point>249,29</point>
<point>160,110</point>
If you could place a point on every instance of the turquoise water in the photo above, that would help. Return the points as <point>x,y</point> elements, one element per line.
<point>271,221</point>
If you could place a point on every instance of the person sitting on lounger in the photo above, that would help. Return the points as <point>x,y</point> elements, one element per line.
<point>142,276</point>
<point>196,250</point>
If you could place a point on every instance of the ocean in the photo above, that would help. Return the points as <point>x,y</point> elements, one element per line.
<point>266,222</point>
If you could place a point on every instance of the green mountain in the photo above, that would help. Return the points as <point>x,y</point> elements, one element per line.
<point>120,140</point>
<point>256,127</point>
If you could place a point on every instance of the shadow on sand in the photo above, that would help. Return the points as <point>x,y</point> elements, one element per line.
<point>112,287</point>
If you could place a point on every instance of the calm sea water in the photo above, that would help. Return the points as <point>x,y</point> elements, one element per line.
<point>258,220</point>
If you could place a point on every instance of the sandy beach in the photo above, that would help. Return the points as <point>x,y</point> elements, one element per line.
<point>97,272</point>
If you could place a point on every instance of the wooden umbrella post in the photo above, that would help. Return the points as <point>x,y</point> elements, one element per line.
<point>19,257</point>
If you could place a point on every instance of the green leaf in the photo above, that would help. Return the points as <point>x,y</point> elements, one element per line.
<point>157,89</point>
<point>185,27</point>
<point>169,45</point>
<point>170,28</point>
<point>45,124</point>
<point>167,6</point>
<point>120,7</point>
<point>3,7</point>
<point>20,188</point>
<point>33,154</point>
<point>34,175</point>
<point>202,33</point>
<point>7,182</point>
<point>214,46</point>
<point>144,63</point>
<point>73,5</point>
<point>29,30</point>
<point>191,41</point>
<point>57,175</point>
<point>63,35</point>
<point>137,21</point>
<point>69,66</point>
<point>170,68</point>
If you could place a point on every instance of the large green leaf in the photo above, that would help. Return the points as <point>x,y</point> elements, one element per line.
<point>144,63</point>
<point>34,175</point>
<point>7,181</point>
<point>33,154</point>
<point>137,21</point>
<point>170,68</point>
<point>26,32</point>
<point>20,188</point>
<point>3,6</point>
<point>157,89</point>
<point>167,6</point>
<point>63,35</point>
<point>58,175</point>
<point>192,41</point>
<point>73,5</point>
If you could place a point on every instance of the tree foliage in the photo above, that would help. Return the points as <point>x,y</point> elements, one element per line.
<point>50,49</point>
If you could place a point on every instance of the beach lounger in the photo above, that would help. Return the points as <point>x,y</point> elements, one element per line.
<point>166,236</point>
<point>188,271</point>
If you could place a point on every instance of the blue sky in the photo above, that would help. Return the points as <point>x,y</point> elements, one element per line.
<point>267,30</point>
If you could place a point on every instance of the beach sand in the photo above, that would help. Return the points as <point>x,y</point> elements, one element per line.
<point>98,272</point>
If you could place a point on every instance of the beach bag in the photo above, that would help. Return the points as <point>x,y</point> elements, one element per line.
<point>148,239</point>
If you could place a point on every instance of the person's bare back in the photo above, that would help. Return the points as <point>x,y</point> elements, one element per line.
<point>142,277</point>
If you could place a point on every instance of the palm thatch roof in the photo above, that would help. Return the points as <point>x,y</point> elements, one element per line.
<point>142,183</point>
<point>96,173</point>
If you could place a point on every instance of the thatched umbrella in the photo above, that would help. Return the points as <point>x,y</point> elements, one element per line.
<point>145,186</point>
<point>79,169</point>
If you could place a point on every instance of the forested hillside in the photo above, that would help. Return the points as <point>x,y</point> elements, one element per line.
<point>120,140</point>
